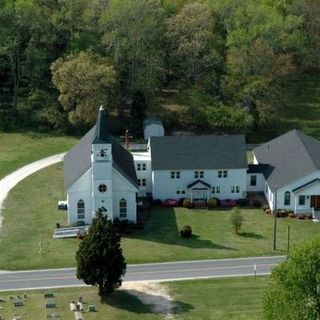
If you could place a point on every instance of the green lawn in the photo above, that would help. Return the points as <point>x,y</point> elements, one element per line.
<point>216,299</point>
<point>19,149</point>
<point>30,216</point>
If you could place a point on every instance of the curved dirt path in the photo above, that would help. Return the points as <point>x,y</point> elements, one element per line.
<point>12,179</point>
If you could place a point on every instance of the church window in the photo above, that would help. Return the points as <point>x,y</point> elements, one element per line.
<point>123,208</point>
<point>216,189</point>
<point>80,209</point>
<point>175,174</point>
<point>198,174</point>
<point>144,167</point>
<point>141,182</point>
<point>139,166</point>
<point>253,180</point>
<point>287,198</point>
<point>102,188</point>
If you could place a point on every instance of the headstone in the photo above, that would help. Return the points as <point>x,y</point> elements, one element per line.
<point>48,295</point>
<point>80,306</point>
<point>50,305</point>
<point>73,306</point>
<point>91,308</point>
<point>18,304</point>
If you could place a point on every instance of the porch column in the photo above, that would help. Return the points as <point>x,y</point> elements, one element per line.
<point>191,195</point>
<point>207,196</point>
<point>295,203</point>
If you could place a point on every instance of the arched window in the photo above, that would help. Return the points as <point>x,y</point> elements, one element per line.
<point>123,208</point>
<point>287,198</point>
<point>81,209</point>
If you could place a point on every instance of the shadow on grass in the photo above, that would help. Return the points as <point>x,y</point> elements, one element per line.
<point>251,235</point>
<point>146,303</point>
<point>162,227</point>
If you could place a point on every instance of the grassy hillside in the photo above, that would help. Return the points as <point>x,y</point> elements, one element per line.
<point>19,149</point>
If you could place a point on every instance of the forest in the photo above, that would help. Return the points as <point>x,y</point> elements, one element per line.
<point>204,66</point>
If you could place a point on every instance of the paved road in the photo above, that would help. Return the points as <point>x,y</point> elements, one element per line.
<point>11,180</point>
<point>22,280</point>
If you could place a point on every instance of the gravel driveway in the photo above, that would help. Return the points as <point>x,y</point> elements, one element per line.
<point>11,180</point>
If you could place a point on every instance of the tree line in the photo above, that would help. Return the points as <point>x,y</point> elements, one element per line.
<point>224,59</point>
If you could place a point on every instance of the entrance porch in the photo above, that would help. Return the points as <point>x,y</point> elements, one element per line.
<point>305,203</point>
<point>307,197</point>
<point>199,191</point>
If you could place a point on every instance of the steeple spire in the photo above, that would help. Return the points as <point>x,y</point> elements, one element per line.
<point>102,130</point>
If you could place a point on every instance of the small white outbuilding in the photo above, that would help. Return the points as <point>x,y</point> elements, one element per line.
<point>152,127</point>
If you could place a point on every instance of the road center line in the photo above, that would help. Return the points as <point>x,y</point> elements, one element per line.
<point>72,277</point>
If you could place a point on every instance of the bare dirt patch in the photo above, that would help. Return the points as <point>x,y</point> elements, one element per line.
<point>154,294</point>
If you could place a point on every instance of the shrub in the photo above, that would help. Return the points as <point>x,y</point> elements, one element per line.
<point>213,203</point>
<point>257,203</point>
<point>80,223</point>
<point>236,220</point>
<point>283,213</point>
<point>58,225</point>
<point>301,216</point>
<point>310,217</point>
<point>186,232</point>
<point>157,202</point>
<point>124,222</point>
<point>265,207</point>
<point>186,203</point>
<point>180,202</point>
<point>242,202</point>
<point>268,211</point>
<point>116,221</point>
<point>228,203</point>
<point>292,215</point>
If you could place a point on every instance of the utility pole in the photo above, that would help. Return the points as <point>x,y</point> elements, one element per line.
<point>288,248</point>
<point>275,219</point>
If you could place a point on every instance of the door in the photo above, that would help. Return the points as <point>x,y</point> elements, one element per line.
<point>315,202</point>
<point>199,195</point>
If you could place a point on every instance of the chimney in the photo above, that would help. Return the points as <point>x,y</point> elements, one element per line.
<point>127,139</point>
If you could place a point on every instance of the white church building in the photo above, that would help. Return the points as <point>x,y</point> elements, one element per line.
<point>100,173</point>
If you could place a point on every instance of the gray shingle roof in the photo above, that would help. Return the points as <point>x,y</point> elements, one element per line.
<point>290,157</point>
<point>258,168</point>
<point>198,152</point>
<point>78,160</point>
<point>102,132</point>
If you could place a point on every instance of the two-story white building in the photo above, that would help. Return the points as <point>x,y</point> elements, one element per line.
<point>195,167</point>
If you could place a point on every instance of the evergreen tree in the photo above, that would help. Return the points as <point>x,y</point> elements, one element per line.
<point>99,257</point>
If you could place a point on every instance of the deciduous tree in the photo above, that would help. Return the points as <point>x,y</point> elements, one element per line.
<point>85,81</point>
<point>133,32</point>
<point>194,45</point>
<point>294,293</point>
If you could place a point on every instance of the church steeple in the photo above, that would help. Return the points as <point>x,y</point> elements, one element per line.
<point>102,129</point>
